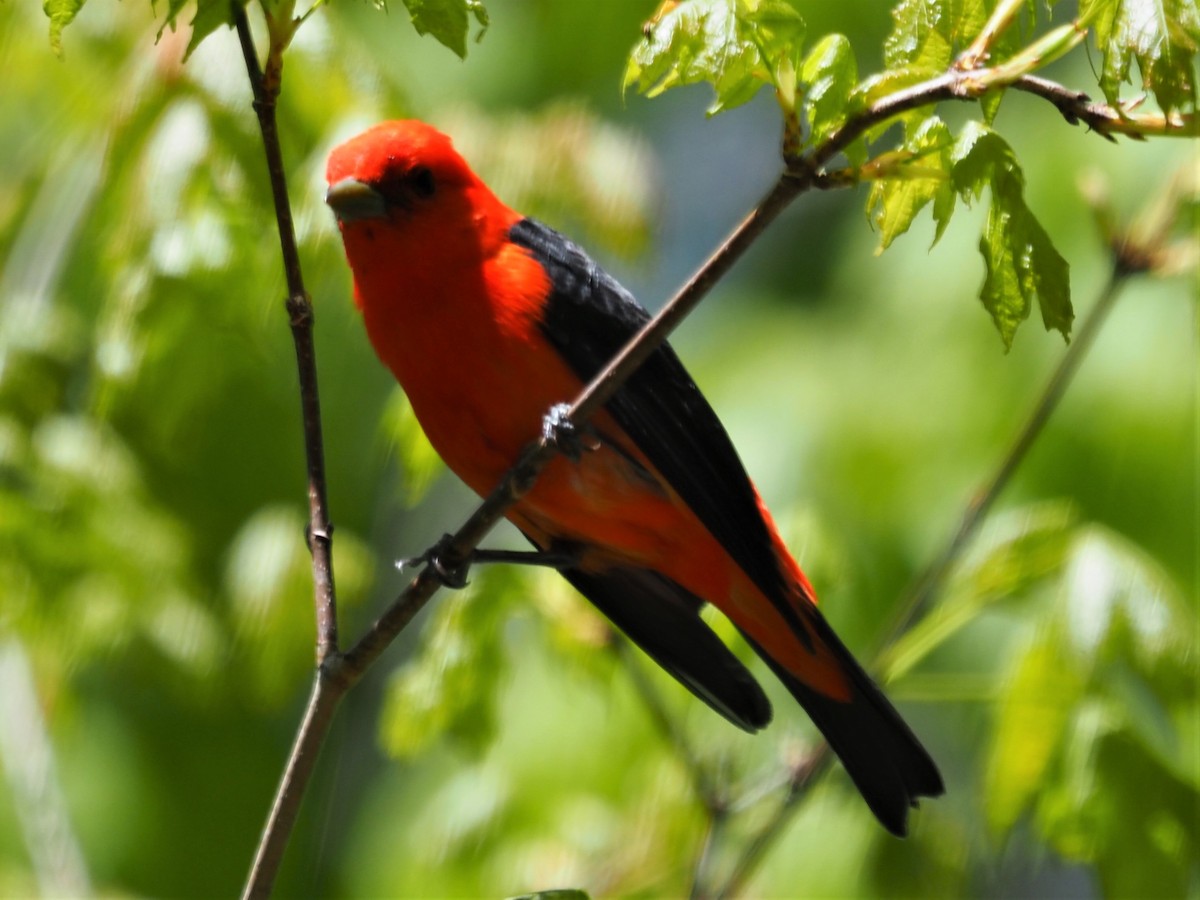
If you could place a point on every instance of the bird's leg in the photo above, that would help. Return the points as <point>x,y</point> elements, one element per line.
<point>452,569</point>
<point>570,439</point>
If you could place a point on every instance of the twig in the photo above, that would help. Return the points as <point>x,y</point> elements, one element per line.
<point>931,579</point>
<point>300,313</point>
<point>1002,17</point>
<point>704,787</point>
<point>323,701</point>
<point>1076,107</point>
<point>807,771</point>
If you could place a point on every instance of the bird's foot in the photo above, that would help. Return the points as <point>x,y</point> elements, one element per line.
<point>450,568</point>
<point>571,440</point>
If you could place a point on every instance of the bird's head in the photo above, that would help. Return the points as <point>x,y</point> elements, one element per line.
<point>409,207</point>
<point>394,172</point>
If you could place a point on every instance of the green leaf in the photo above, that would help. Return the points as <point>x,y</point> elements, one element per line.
<point>450,687</point>
<point>420,463</point>
<point>1039,696</point>
<point>61,13</point>
<point>1021,262</point>
<point>210,15</point>
<point>448,21</point>
<point>927,34</point>
<point>737,46</point>
<point>922,174</point>
<point>1161,35</point>
<point>828,74</point>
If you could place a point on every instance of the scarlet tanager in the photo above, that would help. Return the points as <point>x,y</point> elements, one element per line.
<point>488,320</point>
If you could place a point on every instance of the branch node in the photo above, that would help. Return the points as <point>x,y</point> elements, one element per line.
<point>300,310</point>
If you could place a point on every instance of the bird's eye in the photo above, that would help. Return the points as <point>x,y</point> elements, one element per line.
<point>421,181</point>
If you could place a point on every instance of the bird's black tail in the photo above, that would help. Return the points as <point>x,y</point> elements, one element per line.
<point>883,757</point>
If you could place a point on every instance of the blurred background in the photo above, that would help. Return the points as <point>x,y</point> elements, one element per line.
<point>155,604</point>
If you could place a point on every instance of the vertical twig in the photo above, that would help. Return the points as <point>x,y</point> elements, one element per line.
<point>326,691</point>
<point>300,313</point>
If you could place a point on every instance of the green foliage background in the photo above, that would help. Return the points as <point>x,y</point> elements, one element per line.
<point>154,593</point>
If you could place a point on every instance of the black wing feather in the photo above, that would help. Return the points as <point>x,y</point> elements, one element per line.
<point>588,318</point>
<point>664,620</point>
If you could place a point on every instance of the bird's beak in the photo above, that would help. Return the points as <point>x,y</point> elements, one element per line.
<point>352,201</point>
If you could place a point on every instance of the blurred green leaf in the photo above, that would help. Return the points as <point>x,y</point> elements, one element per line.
<point>61,13</point>
<point>737,46</point>
<point>210,15</point>
<point>1036,703</point>
<point>1161,35</point>
<point>419,462</point>
<point>268,580</point>
<point>450,688</point>
<point>558,894</point>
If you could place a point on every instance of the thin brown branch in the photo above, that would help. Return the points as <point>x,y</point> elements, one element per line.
<point>300,313</point>
<point>1077,106</point>
<point>981,503</point>
<point>320,531</point>
<point>318,715</point>
<point>932,578</point>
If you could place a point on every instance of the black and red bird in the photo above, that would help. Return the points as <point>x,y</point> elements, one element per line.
<point>488,320</point>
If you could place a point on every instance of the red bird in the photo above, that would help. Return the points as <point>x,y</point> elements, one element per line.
<point>488,320</point>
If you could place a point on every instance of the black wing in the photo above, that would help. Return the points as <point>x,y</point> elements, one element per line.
<point>664,620</point>
<point>588,319</point>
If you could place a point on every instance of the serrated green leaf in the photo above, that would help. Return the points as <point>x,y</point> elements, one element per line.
<point>828,74</point>
<point>1161,35</point>
<point>210,15</point>
<point>927,34</point>
<point>737,46</point>
<point>1039,696</point>
<point>1021,262</point>
<point>448,21</point>
<point>60,13</point>
<point>923,176</point>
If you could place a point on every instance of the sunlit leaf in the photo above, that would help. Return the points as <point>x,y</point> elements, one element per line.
<point>926,34</point>
<point>1161,35</point>
<point>828,74</point>
<point>737,46</point>
<point>921,174</point>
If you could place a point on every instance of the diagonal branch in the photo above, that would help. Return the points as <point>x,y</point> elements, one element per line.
<point>930,581</point>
